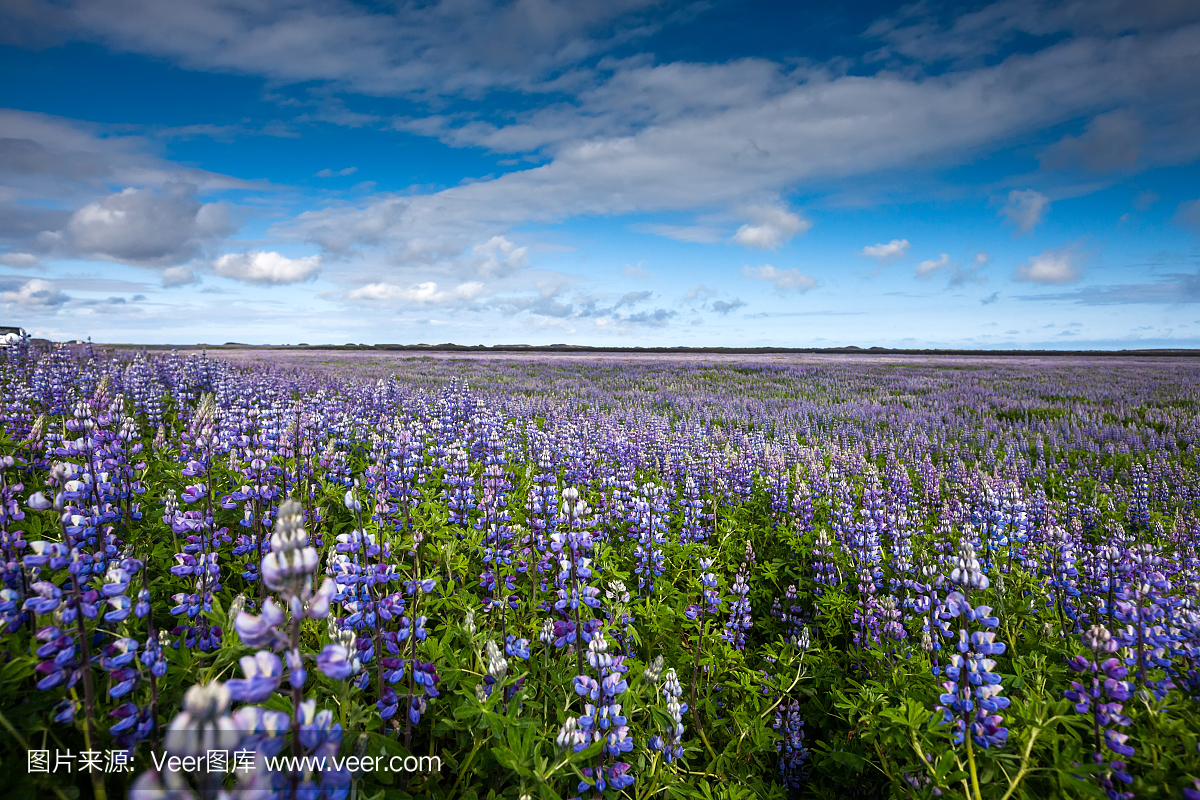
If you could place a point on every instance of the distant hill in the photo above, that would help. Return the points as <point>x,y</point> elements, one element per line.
<point>449,347</point>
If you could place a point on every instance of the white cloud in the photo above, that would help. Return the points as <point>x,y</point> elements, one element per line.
<point>887,253</point>
<point>329,173</point>
<point>770,227</point>
<point>784,280</point>
<point>636,271</point>
<point>1053,266</point>
<point>708,137</point>
<point>925,268</point>
<point>35,293</point>
<point>692,234</point>
<point>426,293</point>
<point>142,227</point>
<point>1025,209</point>
<point>634,134</point>
<point>61,158</point>
<point>267,267</point>
<point>498,257</point>
<point>52,165</point>
<point>19,260</point>
<point>460,47</point>
<point>699,291</point>
<point>917,33</point>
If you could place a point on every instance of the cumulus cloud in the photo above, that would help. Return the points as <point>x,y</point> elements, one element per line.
<point>50,166</point>
<point>770,227</point>
<point>267,267</point>
<point>498,257</point>
<point>723,307</point>
<point>887,253</point>
<point>35,293</point>
<point>784,280</point>
<point>699,291</point>
<point>990,299</point>
<point>928,267</point>
<point>329,173</point>
<point>18,260</point>
<point>1025,209</point>
<point>57,199</point>
<point>143,227</point>
<point>1062,265</point>
<point>425,293</point>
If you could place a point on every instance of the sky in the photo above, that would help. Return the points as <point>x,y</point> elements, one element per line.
<point>1015,174</point>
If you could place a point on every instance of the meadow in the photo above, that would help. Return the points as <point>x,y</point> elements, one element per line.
<point>320,574</point>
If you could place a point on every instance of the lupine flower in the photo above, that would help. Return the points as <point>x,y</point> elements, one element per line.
<point>793,754</point>
<point>263,672</point>
<point>670,742</point>
<point>204,724</point>
<point>1102,700</point>
<point>971,696</point>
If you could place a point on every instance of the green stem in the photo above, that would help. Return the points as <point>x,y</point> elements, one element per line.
<point>1015,782</point>
<point>463,769</point>
<point>971,763</point>
<point>708,747</point>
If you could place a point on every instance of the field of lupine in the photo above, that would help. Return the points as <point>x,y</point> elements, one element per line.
<point>564,577</point>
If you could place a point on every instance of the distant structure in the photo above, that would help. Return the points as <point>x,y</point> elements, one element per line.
<point>10,336</point>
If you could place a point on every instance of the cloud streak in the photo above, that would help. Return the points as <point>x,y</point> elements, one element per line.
<point>1172,289</point>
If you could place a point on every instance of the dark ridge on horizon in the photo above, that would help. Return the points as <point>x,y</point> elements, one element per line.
<point>678,350</point>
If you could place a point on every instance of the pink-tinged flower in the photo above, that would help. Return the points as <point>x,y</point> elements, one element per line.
<point>263,673</point>
<point>263,630</point>
<point>336,662</point>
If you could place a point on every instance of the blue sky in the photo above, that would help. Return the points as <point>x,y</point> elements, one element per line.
<point>1008,174</point>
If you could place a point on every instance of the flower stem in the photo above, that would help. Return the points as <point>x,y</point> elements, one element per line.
<point>971,763</point>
